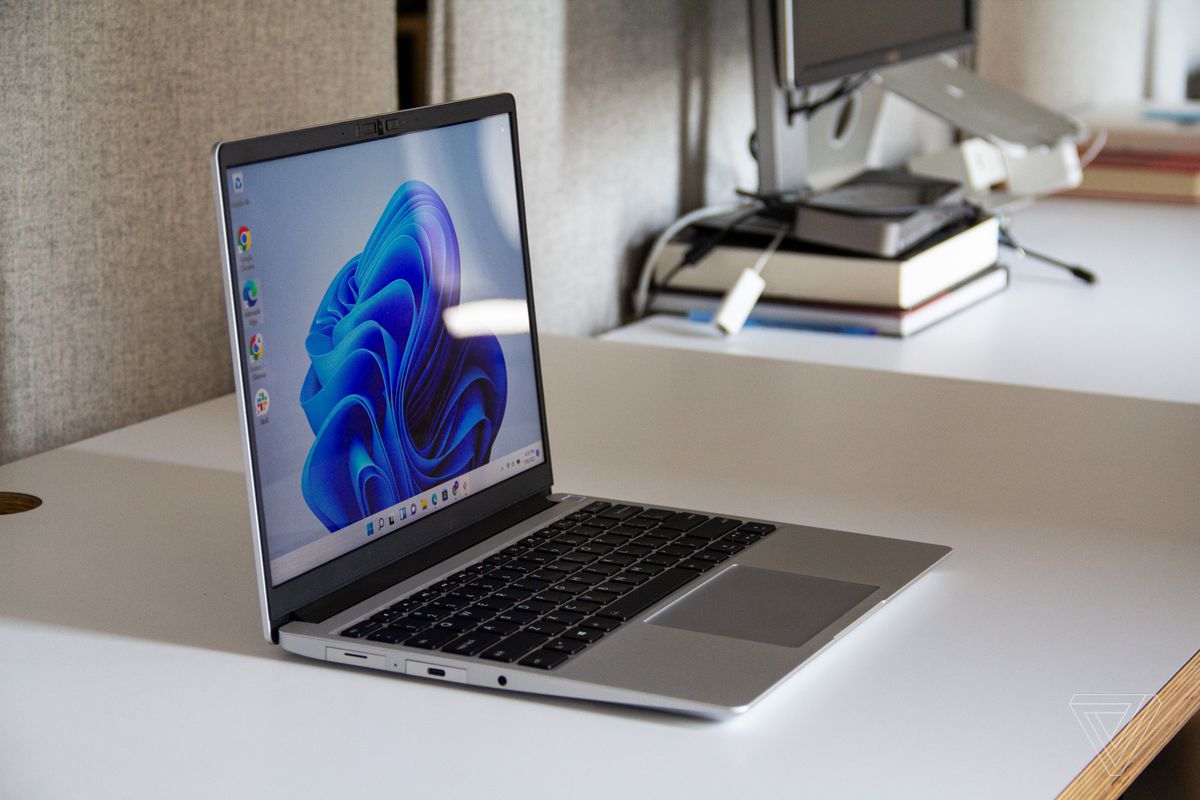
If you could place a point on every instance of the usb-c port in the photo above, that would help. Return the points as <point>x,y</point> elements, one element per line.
<point>437,671</point>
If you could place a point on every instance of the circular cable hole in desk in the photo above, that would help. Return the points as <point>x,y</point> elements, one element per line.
<point>15,502</point>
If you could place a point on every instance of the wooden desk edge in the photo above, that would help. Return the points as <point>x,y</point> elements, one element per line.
<point>1141,739</point>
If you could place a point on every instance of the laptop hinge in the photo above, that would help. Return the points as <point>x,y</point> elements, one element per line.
<point>355,592</point>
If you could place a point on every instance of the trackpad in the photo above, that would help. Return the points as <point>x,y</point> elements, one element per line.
<point>763,605</point>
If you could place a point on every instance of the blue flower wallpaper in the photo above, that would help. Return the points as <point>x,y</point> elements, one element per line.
<point>396,403</point>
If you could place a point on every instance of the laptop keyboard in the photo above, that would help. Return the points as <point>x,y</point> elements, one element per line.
<point>551,594</point>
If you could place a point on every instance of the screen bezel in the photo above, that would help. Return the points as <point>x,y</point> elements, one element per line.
<point>798,75</point>
<point>437,530</point>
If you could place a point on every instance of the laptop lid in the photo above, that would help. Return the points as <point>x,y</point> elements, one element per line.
<point>381,320</point>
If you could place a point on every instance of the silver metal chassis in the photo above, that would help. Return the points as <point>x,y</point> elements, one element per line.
<point>638,664</point>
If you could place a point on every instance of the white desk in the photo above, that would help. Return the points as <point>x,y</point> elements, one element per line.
<point>1134,334</point>
<point>132,665</point>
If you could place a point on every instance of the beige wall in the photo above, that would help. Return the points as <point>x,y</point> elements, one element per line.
<point>111,305</point>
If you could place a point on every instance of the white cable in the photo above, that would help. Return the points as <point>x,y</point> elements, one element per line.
<point>641,296</point>
<point>742,297</point>
<point>1099,139</point>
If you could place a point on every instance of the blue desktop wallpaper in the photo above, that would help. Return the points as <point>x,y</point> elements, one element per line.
<point>348,259</point>
<point>396,403</point>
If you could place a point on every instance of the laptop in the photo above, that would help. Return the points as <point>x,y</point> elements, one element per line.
<point>398,460</point>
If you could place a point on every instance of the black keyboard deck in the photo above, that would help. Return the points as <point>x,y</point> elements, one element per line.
<point>554,592</point>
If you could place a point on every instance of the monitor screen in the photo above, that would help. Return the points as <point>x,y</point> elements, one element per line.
<point>836,38</point>
<point>369,412</point>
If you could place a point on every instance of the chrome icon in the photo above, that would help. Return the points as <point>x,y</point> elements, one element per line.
<point>243,238</point>
<point>255,349</point>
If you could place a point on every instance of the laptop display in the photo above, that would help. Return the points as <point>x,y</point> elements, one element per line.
<point>386,344</point>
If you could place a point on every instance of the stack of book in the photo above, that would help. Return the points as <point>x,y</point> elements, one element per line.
<point>1152,153</point>
<point>825,288</point>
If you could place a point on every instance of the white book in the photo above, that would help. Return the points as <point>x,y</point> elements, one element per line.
<point>843,318</point>
<point>823,274</point>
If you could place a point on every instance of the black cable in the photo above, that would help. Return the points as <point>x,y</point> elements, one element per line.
<point>1078,270</point>
<point>844,89</point>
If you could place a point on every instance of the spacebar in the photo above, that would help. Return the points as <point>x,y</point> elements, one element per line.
<point>647,594</point>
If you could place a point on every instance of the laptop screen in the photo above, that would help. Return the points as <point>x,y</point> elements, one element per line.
<point>385,335</point>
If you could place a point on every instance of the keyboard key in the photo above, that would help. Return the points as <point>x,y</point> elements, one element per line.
<point>430,614</point>
<point>601,623</point>
<point>361,629</point>
<point>714,528</point>
<point>596,507</point>
<point>690,541</point>
<point>647,594</point>
<point>578,558</point>
<point>616,588</point>
<point>588,635</point>
<point>587,578</point>
<point>476,613</point>
<point>568,646</point>
<point>729,548</point>
<point>513,594</point>
<point>634,550</point>
<point>524,565</point>
<point>499,628</point>
<point>683,521</point>
<point>620,511</point>
<point>409,626</point>
<point>602,569</point>
<point>594,548</point>
<point>660,560</point>
<point>430,640</point>
<point>570,587</point>
<point>554,548</point>
<point>389,636</point>
<point>544,659</point>
<point>547,628</point>
<point>611,539</point>
<point>564,617</point>
<point>554,598</point>
<point>597,596</point>
<point>625,532</point>
<point>600,522</point>
<point>632,578</point>
<point>571,539</point>
<point>649,570</point>
<point>548,575</point>
<point>533,607</point>
<point>581,607</point>
<point>578,516</point>
<point>761,528</point>
<point>650,540</point>
<point>455,625</point>
<point>588,530</point>
<point>517,617</point>
<point>640,522</point>
<point>658,514</point>
<point>696,565</point>
<point>385,616</point>
<point>514,647</point>
<point>619,559</point>
<point>471,644</point>
<point>495,603</point>
<point>710,556</point>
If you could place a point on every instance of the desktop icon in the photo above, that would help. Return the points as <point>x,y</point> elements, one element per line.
<point>381,523</point>
<point>413,509</point>
<point>433,498</point>
<point>424,504</point>
<point>239,183</point>
<point>243,238</point>
<point>256,347</point>
<point>370,528</point>
<point>250,295</point>
<point>391,519</point>
<point>262,401</point>
<point>445,495</point>
<point>403,513</point>
<point>454,489</point>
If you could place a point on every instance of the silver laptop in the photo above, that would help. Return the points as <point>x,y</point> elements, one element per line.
<point>398,462</point>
